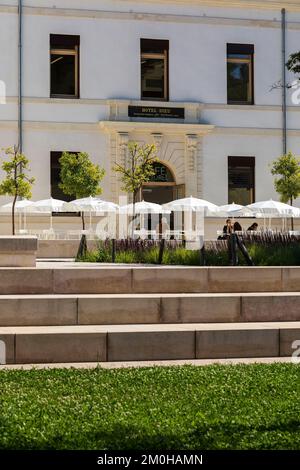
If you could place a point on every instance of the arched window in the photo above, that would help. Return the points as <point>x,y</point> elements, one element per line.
<point>162,174</point>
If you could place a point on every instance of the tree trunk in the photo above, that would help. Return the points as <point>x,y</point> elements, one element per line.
<point>292,219</point>
<point>83,220</point>
<point>133,215</point>
<point>82,250</point>
<point>13,215</point>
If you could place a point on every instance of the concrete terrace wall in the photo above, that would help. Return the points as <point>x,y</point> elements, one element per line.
<point>105,279</point>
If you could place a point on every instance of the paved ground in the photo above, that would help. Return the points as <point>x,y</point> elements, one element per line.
<point>50,263</point>
<point>120,365</point>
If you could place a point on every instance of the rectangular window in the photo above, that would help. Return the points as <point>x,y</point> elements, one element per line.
<point>56,192</point>
<point>154,70</point>
<point>241,180</point>
<point>240,76</point>
<point>64,66</point>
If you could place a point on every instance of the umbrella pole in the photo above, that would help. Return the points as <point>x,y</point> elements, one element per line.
<point>90,221</point>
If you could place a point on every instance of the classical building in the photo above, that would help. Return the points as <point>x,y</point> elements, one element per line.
<point>192,76</point>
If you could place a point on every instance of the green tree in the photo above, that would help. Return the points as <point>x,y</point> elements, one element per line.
<point>16,183</point>
<point>139,170</point>
<point>287,167</point>
<point>80,177</point>
<point>288,185</point>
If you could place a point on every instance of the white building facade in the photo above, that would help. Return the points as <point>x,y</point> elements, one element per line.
<point>192,76</point>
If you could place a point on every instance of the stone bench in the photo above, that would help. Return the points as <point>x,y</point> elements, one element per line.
<point>18,251</point>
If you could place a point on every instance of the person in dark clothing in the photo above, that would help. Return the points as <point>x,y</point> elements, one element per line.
<point>253,227</point>
<point>237,227</point>
<point>227,230</point>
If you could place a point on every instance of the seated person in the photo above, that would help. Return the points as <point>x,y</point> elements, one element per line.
<point>227,230</point>
<point>253,227</point>
<point>237,227</point>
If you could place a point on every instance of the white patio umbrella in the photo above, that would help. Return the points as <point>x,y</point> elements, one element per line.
<point>48,205</point>
<point>187,206</point>
<point>235,210</point>
<point>21,207</point>
<point>192,204</point>
<point>144,207</point>
<point>107,206</point>
<point>90,204</point>
<point>270,208</point>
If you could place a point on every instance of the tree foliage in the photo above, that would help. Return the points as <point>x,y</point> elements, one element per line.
<point>138,170</point>
<point>16,183</point>
<point>140,167</point>
<point>80,177</point>
<point>287,167</point>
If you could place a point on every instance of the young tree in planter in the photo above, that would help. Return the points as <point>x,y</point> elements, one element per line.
<point>80,177</point>
<point>287,167</point>
<point>139,170</point>
<point>17,183</point>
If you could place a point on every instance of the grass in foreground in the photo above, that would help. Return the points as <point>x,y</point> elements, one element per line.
<point>215,407</point>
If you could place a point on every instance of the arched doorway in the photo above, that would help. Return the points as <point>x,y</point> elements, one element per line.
<point>162,188</point>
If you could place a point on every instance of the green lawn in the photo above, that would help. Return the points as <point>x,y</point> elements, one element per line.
<point>215,407</point>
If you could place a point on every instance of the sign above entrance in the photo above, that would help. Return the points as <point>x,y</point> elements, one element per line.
<point>155,112</point>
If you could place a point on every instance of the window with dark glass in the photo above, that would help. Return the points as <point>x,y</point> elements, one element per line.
<point>240,87</point>
<point>154,70</point>
<point>241,180</point>
<point>56,192</point>
<point>64,66</point>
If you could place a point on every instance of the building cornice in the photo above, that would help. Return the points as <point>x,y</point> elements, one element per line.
<point>254,131</point>
<point>109,102</point>
<point>112,127</point>
<point>292,5</point>
<point>154,17</point>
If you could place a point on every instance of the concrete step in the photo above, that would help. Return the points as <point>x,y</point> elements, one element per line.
<point>117,309</point>
<point>78,278</point>
<point>57,344</point>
